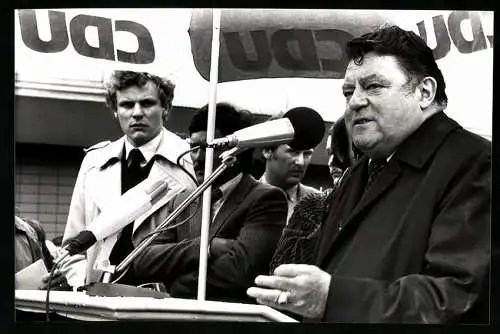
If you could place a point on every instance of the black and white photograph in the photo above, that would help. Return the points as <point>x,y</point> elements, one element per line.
<point>253,165</point>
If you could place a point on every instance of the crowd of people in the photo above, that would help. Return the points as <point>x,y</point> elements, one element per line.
<point>402,234</point>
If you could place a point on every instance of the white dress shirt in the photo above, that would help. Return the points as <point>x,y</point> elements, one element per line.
<point>148,150</point>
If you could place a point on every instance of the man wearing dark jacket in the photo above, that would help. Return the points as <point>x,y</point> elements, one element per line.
<point>407,234</point>
<point>246,223</point>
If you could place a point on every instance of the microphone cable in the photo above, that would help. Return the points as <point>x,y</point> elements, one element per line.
<point>166,228</point>
<point>121,275</point>
<point>178,162</point>
<point>52,271</point>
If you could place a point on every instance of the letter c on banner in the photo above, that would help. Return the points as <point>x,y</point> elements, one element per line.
<point>145,53</point>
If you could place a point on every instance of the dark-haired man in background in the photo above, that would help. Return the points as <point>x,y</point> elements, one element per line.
<point>340,151</point>
<point>246,223</point>
<point>407,236</point>
<point>286,166</point>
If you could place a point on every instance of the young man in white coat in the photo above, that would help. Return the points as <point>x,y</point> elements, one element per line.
<point>146,151</point>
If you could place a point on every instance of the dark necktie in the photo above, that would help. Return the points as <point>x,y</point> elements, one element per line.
<point>374,168</point>
<point>195,225</point>
<point>135,158</point>
<point>216,195</point>
<point>133,174</point>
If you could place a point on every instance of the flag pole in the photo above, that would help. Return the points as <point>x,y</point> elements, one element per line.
<point>205,222</point>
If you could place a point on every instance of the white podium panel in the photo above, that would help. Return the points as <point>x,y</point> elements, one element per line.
<point>78,305</point>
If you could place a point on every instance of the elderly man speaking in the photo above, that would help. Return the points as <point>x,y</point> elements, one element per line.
<point>406,237</point>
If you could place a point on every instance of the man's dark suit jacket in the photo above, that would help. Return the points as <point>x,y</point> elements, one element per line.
<point>416,246</point>
<point>252,217</point>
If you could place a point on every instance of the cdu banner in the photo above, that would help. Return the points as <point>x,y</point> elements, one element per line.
<point>278,43</point>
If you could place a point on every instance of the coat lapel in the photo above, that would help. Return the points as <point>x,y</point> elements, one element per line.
<point>175,187</point>
<point>354,202</point>
<point>377,189</point>
<point>105,186</point>
<point>232,203</point>
<point>344,201</point>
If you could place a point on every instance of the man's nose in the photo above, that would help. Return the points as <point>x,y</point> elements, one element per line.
<point>137,110</point>
<point>357,100</point>
<point>299,159</point>
<point>198,154</point>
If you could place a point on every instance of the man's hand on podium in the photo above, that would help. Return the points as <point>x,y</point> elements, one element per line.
<point>58,281</point>
<point>298,288</point>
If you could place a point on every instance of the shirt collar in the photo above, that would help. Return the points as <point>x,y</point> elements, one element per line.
<point>291,193</point>
<point>386,159</point>
<point>263,179</point>
<point>148,150</point>
<point>169,145</point>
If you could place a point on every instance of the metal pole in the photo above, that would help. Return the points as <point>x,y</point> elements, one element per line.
<point>205,222</point>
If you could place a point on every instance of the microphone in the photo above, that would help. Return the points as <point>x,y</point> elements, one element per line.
<point>301,127</point>
<point>127,208</point>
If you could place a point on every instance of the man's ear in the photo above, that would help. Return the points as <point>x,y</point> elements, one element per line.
<point>115,114</point>
<point>164,115</point>
<point>427,92</point>
<point>266,153</point>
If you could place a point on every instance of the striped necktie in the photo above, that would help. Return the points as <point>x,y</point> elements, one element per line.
<point>374,168</point>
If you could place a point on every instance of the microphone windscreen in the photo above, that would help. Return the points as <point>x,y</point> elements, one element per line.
<point>299,240</point>
<point>309,127</point>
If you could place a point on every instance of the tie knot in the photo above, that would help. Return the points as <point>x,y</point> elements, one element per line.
<point>135,158</point>
<point>216,194</point>
<point>376,166</point>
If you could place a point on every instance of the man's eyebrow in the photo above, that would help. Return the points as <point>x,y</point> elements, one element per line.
<point>372,76</point>
<point>347,85</point>
<point>369,77</point>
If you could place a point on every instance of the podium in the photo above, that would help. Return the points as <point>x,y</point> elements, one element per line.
<point>80,306</point>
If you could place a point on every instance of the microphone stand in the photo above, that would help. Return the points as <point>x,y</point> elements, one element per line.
<point>228,160</point>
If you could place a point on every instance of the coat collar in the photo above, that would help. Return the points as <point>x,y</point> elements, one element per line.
<point>417,149</point>
<point>171,147</point>
<point>107,158</point>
